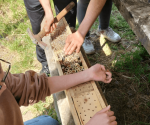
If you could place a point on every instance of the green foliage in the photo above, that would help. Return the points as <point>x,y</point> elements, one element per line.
<point>139,123</point>
<point>114,47</point>
<point>131,63</point>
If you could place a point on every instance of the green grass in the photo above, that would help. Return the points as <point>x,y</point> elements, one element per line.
<point>43,108</point>
<point>132,63</point>
<point>13,26</point>
<point>139,123</point>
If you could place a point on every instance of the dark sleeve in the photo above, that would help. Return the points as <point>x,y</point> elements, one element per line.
<point>28,88</point>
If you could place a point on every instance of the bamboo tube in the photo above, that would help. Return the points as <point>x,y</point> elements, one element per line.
<point>66,69</point>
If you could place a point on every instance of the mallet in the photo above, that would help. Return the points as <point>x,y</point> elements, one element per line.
<point>37,39</point>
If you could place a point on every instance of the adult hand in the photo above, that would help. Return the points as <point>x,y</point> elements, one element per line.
<point>103,117</point>
<point>49,26</point>
<point>73,43</point>
<point>99,73</point>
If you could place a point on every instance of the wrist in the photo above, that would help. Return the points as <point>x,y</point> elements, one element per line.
<point>46,6</point>
<point>80,37</point>
<point>49,13</point>
<point>89,75</point>
<point>82,33</point>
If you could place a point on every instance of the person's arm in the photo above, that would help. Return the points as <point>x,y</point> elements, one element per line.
<point>75,40</point>
<point>49,26</point>
<point>30,87</point>
<point>96,72</point>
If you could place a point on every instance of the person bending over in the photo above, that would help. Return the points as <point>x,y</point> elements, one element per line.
<point>29,88</point>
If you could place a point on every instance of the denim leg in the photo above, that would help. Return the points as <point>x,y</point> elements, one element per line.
<point>42,120</point>
<point>104,16</point>
<point>81,10</point>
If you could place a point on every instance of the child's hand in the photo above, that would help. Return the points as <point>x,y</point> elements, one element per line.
<point>99,73</point>
<point>103,117</point>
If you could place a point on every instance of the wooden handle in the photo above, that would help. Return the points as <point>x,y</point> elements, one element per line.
<point>64,12</point>
<point>42,33</point>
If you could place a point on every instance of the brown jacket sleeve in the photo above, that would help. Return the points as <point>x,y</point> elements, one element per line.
<point>28,88</point>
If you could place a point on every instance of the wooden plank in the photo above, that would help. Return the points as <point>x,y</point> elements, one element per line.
<point>85,99</point>
<point>137,14</point>
<point>60,100</point>
<point>86,105</point>
<point>139,1</point>
<point>72,108</point>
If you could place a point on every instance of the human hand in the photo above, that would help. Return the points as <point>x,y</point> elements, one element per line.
<point>103,117</point>
<point>49,24</point>
<point>99,73</point>
<point>73,42</point>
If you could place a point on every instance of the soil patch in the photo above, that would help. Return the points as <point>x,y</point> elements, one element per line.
<point>131,106</point>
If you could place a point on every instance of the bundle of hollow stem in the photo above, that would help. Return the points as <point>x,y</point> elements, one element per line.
<point>69,63</point>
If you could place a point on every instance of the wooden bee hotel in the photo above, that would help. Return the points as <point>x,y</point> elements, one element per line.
<point>85,99</point>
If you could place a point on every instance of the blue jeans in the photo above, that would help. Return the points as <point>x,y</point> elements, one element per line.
<point>42,120</point>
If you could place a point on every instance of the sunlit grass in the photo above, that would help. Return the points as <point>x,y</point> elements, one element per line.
<point>13,34</point>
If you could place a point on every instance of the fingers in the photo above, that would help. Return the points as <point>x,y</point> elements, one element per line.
<point>105,109</point>
<point>54,25</point>
<point>78,49</point>
<point>103,67</point>
<point>107,81</point>
<point>67,43</point>
<point>47,27</point>
<point>110,113</point>
<point>108,75</point>
<point>112,118</point>
<point>69,48</point>
<point>113,123</point>
<point>72,49</point>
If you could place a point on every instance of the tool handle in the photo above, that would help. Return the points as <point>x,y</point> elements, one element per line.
<point>42,33</point>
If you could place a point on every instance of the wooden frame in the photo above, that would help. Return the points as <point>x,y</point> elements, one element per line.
<point>136,13</point>
<point>85,99</point>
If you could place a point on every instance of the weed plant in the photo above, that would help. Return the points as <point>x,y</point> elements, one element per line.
<point>134,64</point>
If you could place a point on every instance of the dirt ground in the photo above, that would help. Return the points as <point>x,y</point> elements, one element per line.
<point>122,93</point>
<point>130,105</point>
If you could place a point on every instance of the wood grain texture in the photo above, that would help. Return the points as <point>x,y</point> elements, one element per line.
<point>60,101</point>
<point>136,13</point>
<point>85,99</point>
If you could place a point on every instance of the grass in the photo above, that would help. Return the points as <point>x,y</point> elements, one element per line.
<point>13,27</point>
<point>43,108</point>
<point>13,34</point>
<point>133,63</point>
